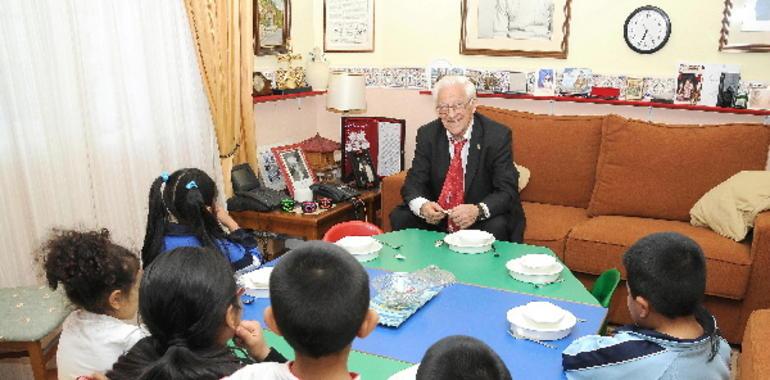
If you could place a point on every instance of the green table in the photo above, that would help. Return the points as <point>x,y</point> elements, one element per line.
<point>418,246</point>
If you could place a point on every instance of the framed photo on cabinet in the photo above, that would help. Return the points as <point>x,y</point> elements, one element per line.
<point>295,170</point>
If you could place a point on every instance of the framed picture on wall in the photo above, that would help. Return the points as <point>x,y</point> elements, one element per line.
<point>745,26</point>
<point>272,25</point>
<point>294,167</point>
<point>349,26</point>
<point>528,28</point>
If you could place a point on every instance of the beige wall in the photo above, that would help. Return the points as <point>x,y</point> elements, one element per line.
<point>413,33</point>
<point>596,41</point>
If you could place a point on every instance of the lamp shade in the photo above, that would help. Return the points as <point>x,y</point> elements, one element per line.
<point>346,92</point>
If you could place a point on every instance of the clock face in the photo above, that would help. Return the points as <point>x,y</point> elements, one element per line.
<point>647,29</point>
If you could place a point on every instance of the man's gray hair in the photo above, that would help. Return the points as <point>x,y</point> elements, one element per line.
<point>452,80</point>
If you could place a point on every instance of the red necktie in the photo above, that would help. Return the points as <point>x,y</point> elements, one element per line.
<point>453,191</point>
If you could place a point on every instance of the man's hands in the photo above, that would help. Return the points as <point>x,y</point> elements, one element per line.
<point>463,215</point>
<point>250,334</point>
<point>432,212</point>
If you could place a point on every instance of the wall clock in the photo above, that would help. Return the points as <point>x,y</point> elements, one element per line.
<point>647,29</point>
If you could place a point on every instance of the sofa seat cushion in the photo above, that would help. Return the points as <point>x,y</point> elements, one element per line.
<point>548,225</point>
<point>660,170</point>
<point>560,152</point>
<point>599,243</point>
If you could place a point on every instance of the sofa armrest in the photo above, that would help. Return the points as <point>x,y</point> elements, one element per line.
<point>754,361</point>
<point>759,283</point>
<point>391,196</point>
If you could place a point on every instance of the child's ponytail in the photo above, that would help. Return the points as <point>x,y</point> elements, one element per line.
<point>202,221</point>
<point>157,217</point>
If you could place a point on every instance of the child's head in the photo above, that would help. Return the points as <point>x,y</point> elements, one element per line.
<point>185,196</point>
<point>668,271</point>
<point>186,297</point>
<point>319,297</point>
<point>98,275</point>
<point>462,357</point>
<point>189,302</point>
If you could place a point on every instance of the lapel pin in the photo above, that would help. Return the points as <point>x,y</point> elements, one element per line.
<point>478,146</point>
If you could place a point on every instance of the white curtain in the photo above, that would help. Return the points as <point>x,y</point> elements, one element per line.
<point>97,98</point>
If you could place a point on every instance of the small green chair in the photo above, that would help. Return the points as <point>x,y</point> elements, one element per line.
<point>603,289</point>
<point>605,286</point>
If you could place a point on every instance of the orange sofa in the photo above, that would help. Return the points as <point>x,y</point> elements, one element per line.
<point>599,183</point>
<point>754,361</point>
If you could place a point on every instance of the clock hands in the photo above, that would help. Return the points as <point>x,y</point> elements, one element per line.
<point>645,34</point>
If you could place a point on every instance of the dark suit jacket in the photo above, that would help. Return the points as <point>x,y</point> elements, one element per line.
<point>490,176</point>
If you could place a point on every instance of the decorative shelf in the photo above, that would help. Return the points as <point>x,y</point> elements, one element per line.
<point>273,98</point>
<point>623,103</point>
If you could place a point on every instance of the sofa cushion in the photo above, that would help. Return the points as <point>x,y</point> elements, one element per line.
<point>730,208</point>
<point>549,225</point>
<point>600,242</point>
<point>660,171</point>
<point>560,152</point>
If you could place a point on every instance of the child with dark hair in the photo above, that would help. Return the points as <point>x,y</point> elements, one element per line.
<point>458,357</point>
<point>319,297</point>
<point>102,280</point>
<point>190,304</point>
<point>673,336</point>
<point>183,213</point>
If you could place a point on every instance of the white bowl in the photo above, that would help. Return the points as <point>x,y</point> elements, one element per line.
<point>524,274</point>
<point>357,245</point>
<point>522,326</point>
<point>543,314</point>
<point>258,279</point>
<point>537,261</point>
<point>473,238</point>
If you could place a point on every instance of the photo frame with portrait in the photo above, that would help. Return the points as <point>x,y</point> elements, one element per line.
<point>527,28</point>
<point>745,26</point>
<point>272,26</point>
<point>269,171</point>
<point>364,173</point>
<point>294,167</point>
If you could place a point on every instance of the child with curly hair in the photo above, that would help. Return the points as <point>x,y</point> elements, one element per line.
<point>102,280</point>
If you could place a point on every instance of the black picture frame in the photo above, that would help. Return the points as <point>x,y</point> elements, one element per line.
<point>363,171</point>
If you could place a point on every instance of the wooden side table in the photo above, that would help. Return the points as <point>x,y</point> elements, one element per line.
<point>308,227</point>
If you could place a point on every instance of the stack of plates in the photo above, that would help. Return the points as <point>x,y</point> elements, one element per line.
<point>541,321</point>
<point>363,248</point>
<point>538,268</point>
<point>257,283</point>
<point>470,241</point>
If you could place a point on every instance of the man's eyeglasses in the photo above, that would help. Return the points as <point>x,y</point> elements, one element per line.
<point>444,109</point>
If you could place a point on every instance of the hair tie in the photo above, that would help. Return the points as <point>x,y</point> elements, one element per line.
<point>164,176</point>
<point>191,185</point>
<point>177,342</point>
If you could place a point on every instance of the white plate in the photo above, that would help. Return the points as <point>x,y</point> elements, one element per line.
<point>543,314</point>
<point>358,245</point>
<point>258,279</point>
<point>537,261</point>
<point>524,327</point>
<point>473,238</point>
<point>370,254</point>
<point>479,239</point>
<point>515,265</point>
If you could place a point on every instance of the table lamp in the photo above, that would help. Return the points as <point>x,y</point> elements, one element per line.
<point>346,92</point>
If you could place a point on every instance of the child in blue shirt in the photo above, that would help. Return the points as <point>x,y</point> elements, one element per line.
<point>183,213</point>
<point>673,336</point>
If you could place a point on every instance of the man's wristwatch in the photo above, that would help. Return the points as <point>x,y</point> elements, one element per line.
<point>482,214</point>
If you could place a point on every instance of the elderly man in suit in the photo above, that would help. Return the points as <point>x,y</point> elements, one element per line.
<point>462,175</point>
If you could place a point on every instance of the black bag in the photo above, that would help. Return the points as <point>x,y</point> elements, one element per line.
<point>249,196</point>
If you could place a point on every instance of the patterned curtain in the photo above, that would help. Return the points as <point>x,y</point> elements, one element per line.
<point>223,35</point>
